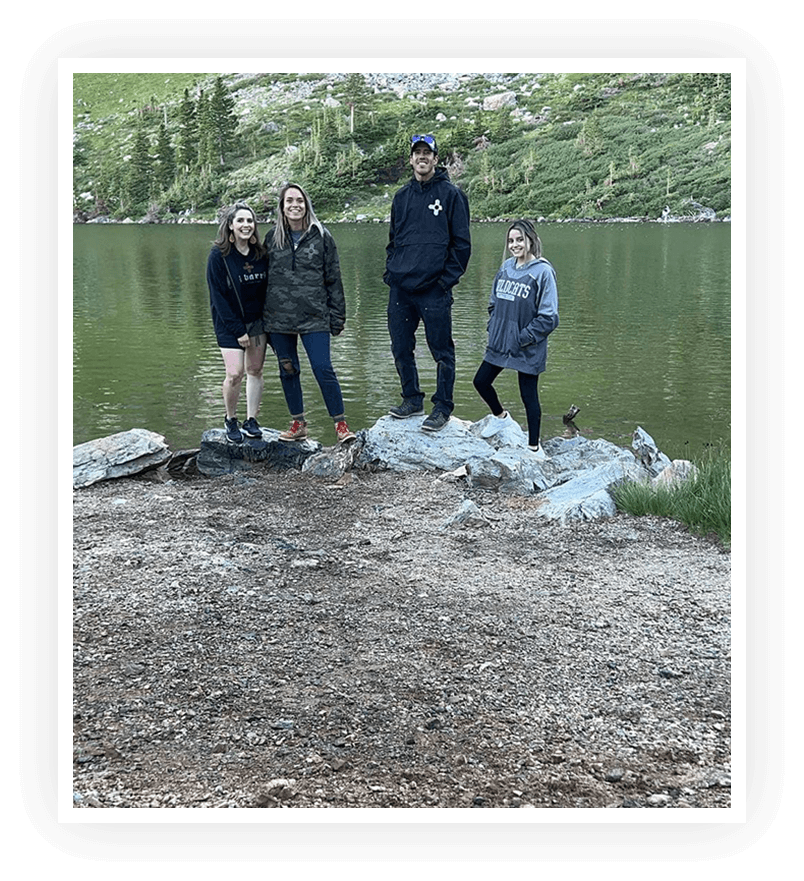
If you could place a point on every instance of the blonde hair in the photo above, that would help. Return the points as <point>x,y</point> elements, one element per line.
<point>281,229</point>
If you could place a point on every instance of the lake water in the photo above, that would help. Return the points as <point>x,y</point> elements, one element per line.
<point>644,335</point>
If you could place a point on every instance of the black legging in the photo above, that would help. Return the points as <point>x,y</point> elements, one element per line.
<point>528,389</point>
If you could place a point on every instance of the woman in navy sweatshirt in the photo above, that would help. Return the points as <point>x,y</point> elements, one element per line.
<point>237,276</point>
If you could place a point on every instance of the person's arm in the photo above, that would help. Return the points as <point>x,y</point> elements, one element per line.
<point>389,248</point>
<point>336,300</point>
<point>221,295</point>
<point>545,321</point>
<point>460,243</point>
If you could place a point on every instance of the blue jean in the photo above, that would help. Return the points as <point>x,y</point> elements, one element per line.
<point>433,308</point>
<point>317,347</point>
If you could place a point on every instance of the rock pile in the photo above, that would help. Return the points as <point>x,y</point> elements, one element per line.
<point>573,482</point>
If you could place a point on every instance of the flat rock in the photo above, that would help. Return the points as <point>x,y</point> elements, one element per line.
<point>217,456</point>
<point>118,455</point>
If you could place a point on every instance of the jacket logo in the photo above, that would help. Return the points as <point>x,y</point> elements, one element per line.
<point>436,207</point>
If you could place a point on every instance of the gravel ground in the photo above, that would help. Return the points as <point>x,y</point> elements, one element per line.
<point>280,642</point>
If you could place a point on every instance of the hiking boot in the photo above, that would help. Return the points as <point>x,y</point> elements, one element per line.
<point>233,434</point>
<point>342,430</point>
<point>251,428</point>
<point>435,421</point>
<point>296,432</point>
<point>406,409</point>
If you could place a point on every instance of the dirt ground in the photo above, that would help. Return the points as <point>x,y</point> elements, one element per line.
<point>275,641</point>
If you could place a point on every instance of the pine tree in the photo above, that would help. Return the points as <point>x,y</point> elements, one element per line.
<point>186,149</point>
<point>139,173</point>
<point>357,95</point>
<point>222,120</point>
<point>165,162</point>
<point>206,135</point>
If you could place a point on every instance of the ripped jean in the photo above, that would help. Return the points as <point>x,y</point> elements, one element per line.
<point>317,347</point>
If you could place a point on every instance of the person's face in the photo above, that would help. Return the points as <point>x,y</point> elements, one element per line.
<point>242,225</point>
<point>519,246</point>
<point>423,162</point>
<point>293,208</point>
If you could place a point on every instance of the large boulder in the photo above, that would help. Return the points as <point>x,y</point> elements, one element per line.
<point>400,445</point>
<point>118,455</point>
<point>574,481</point>
<point>217,456</point>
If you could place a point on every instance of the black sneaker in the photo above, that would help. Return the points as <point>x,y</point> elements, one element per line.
<point>435,421</point>
<point>233,434</point>
<point>406,409</point>
<point>250,428</point>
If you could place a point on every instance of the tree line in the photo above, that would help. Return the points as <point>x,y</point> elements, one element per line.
<point>173,173</point>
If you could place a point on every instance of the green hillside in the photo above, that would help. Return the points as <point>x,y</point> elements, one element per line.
<point>558,146</point>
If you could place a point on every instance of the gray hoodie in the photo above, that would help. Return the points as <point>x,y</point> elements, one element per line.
<point>523,311</point>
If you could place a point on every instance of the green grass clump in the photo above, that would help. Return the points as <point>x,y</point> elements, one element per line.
<point>702,503</point>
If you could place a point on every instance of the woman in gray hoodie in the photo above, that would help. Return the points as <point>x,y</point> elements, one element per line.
<point>523,311</point>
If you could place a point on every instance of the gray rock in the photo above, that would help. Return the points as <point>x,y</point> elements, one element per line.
<point>401,445</point>
<point>217,456</point>
<point>677,472</point>
<point>648,453</point>
<point>574,481</point>
<point>332,462</point>
<point>468,514</point>
<point>118,455</point>
<point>586,496</point>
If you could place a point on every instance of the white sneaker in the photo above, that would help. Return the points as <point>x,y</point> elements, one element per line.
<point>538,452</point>
<point>495,424</point>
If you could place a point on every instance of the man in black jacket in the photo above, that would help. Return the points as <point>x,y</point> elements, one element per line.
<point>427,253</point>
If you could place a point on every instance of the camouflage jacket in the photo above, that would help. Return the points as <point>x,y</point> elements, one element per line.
<point>305,292</point>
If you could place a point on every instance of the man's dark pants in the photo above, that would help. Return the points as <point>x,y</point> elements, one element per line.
<point>433,308</point>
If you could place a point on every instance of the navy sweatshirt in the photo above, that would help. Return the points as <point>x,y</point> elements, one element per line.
<point>428,241</point>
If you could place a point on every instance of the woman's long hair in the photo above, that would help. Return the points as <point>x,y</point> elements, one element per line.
<point>530,235</point>
<point>281,229</point>
<point>227,217</point>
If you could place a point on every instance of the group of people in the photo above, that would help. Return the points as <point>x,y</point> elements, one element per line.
<point>288,288</point>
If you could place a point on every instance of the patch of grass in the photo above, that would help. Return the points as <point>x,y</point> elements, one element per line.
<point>702,503</point>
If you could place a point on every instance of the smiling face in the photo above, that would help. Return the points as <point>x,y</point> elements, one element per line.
<point>423,162</point>
<point>294,208</point>
<point>519,246</point>
<point>242,226</point>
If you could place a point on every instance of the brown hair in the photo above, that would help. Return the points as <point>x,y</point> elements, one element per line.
<point>224,229</point>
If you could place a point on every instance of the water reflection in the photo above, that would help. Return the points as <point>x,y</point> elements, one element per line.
<point>644,335</point>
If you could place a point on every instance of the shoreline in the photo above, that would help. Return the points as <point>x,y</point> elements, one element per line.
<point>541,220</point>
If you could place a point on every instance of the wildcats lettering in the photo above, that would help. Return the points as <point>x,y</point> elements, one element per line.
<point>507,289</point>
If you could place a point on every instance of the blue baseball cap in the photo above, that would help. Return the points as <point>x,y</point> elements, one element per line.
<point>427,140</point>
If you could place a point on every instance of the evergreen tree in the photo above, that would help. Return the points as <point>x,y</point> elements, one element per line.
<point>165,162</point>
<point>358,97</point>
<point>222,120</point>
<point>139,173</point>
<point>187,145</point>
<point>206,135</point>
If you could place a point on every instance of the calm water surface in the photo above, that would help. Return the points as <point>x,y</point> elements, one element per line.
<point>644,337</point>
